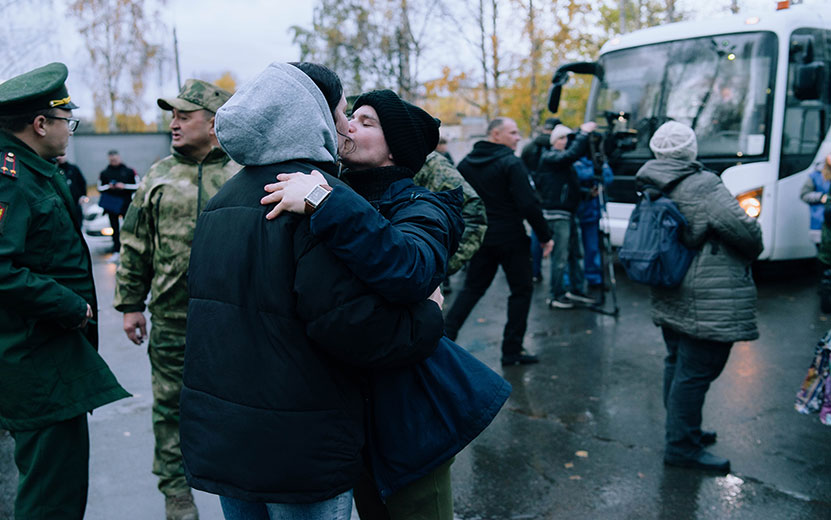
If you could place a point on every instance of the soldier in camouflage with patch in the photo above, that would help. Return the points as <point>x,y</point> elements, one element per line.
<point>438,174</point>
<point>155,250</point>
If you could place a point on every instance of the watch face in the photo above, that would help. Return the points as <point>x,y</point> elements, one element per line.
<point>316,196</point>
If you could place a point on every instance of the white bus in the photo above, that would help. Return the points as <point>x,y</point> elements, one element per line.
<point>756,90</point>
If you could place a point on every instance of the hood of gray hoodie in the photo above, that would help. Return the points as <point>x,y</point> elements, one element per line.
<point>279,116</point>
<point>661,172</point>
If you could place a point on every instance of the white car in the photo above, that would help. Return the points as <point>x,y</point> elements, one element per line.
<point>96,227</point>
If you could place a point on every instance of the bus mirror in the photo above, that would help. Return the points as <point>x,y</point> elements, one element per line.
<point>554,98</point>
<point>560,78</point>
<point>808,81</point>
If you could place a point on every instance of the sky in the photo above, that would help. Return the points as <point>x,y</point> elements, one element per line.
<point>214,36</point>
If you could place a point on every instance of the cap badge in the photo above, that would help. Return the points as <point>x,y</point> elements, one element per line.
<point>59,102</point>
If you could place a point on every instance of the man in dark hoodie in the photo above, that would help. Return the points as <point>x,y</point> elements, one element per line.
<point>500,178</point>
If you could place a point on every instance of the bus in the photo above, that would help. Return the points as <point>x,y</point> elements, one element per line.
<point>754,87</point>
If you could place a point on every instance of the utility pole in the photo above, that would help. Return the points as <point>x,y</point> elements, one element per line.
<point>176,54</point>
<point>622,8</point>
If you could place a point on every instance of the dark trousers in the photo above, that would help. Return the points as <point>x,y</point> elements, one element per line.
<point>116,231</point>
<point>516,262</point>
<point>428,498</point>
<point>54,471</point>
<point>689,368</point>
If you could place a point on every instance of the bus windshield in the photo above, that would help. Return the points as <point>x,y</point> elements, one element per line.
<point>721,86</point>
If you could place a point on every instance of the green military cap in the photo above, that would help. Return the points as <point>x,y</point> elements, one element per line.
<point>36,90</point>
<point>196,95</point>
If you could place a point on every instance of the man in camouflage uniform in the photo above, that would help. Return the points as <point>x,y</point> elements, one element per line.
<point>438,174</point>
<point>155,250</point>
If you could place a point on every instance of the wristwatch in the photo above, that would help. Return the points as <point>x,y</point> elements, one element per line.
<point>316,197</point>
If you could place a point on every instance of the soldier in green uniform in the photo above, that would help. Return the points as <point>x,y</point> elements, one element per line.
<point>439,174</point>
<point>50,372</point>
<point>156,240</point>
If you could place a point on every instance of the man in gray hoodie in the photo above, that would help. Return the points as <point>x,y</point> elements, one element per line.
<point>715,305</point>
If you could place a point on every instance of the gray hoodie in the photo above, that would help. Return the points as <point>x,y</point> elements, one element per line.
<point>279,116</point>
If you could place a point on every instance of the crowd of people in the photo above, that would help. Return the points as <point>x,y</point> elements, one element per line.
<point>293,258</point>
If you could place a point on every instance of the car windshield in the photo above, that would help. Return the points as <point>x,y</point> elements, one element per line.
<point>721,86</point>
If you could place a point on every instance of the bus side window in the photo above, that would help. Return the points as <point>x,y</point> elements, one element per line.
<point>806,121</point>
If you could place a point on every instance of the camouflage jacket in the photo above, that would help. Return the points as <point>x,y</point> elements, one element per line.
<point>157,233</point>
<point>438,174</point>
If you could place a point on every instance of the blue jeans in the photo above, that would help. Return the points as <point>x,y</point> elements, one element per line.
<point>567,252</point>
<point>591,252</point>
<point>536,255</point>
<point>689,368</point>
<point>337,508</point>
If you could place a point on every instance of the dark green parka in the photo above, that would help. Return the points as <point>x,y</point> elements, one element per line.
<point>49,371</point>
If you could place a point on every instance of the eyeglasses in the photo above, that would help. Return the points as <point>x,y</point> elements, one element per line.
<point>71,122</point>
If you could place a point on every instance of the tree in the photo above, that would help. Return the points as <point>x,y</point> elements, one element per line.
<point>23,42</point>
<point>118,35</point>
<point>369,43</point>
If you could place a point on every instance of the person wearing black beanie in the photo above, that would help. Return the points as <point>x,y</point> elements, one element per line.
<point>410,132</point>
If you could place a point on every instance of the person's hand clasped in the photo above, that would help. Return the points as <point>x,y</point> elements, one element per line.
<point>88,316</point>
<point>289,192</point>
<point>546,248</point>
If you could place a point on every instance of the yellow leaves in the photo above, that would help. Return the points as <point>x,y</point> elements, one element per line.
<point>583,454</point>
<point>226,81</point>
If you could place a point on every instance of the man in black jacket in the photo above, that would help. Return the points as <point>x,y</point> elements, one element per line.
<point>559,189</point>
<point>500,178</point>
<point>117,183</point>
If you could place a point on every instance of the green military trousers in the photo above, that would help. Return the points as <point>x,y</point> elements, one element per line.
<point>428,498</point>
<point>167,358</point>
<point>54,471</point>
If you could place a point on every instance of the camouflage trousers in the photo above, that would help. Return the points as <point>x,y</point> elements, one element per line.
<point>167,357</point>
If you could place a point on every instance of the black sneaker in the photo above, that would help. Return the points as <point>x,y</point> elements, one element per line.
<point>580,298</point>
<point>537,278</point>
<point>559,303</point>
<point>521,358</point>
<point>704,460</point>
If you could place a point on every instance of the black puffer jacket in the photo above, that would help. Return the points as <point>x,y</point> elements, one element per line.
<point>278,333</point>
<point>501,180</point>
<point>556,180</point>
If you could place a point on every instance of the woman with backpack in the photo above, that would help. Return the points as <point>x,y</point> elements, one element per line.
<point>715,304</point>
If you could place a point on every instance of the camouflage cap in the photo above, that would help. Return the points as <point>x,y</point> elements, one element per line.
<point>37,89</point>
<point>196,95</point>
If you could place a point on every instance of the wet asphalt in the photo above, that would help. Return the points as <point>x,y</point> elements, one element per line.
<point>582,434</point>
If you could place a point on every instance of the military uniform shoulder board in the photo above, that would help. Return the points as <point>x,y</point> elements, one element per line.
<point>9,168</point>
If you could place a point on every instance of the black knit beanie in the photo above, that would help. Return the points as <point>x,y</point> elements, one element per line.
<point>410,132</point>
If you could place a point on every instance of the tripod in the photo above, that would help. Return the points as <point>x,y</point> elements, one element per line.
<point>607,260</point>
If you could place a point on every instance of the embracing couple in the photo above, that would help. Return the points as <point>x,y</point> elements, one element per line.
<point>316,366</point>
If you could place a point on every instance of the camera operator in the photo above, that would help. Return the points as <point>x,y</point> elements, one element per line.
<point>559,189</point>
<point>588,212</point>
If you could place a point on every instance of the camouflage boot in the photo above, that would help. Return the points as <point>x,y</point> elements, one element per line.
<point>180,507</point>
